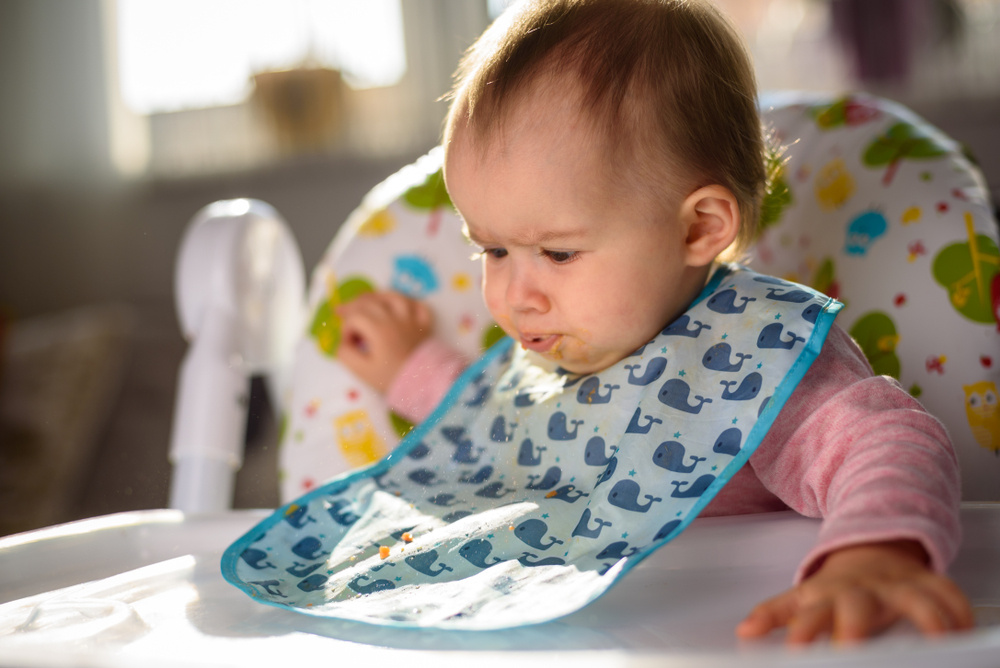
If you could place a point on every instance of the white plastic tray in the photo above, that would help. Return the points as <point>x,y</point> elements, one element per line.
<point>144,589</point>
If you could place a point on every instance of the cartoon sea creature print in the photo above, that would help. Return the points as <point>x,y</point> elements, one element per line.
<point>863,231</point>
<point>529,454</point>
<point>748,388</point>
<point>904,141</point>
<point>982,411</point>
<point>834,185</point>
<point>532,532</point>
<point>369,587</point>
<point>877,336</point>
<point>771,337</point>
<point>608,472</point>
<point>616,550</point>
<point>476,477</point>
<point>313,582</point>
<point>424,477</point>
<point>357,438</point>
<point>685,326</point>
<point>302,570</point>
<point>625,494</point>
<point>589,392</point>
<point>341,512</point>
<point>256,559</point>
<point>465,451</point>
<point>309,548</point>
<point>654,369</point>
<point>666,529</point>
<point>413,276</point>
<point>966,270</point>
<point>298,516</point>
<point>547,481</point>
<point>567,493</point>
<point>499,432</point>
<point>675,393</point>
<point>494,490</point>
<point>558,430</point>
<point>527,558</point>
<point>719,358</point>
<point>670,456</point>
<point>691,489</point>
<point>595,453</point>
<point>724,302</point>
<point>269,586</point>
<point>424,562</point>
<point>583,527</point>
<point>476,551</point>
<point>641,424</point>
<point>729,441</point>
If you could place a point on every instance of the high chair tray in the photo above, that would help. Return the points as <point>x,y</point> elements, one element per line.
<point>144,588</point>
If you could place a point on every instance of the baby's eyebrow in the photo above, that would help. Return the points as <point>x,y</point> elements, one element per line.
<point>532,238</point>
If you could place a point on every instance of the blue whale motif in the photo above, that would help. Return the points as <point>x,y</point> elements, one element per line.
<point>270,586</point>
<point>728,442</point>
<point>531,532</point>
<point>313,582</point>
<point>748,389</point>
<point>499,433</point>
<point>670,455</point>
<point>456,515</point>
<point>770,337</point>
<point>608,471</point>
<point>697,488</point>
<point>419,451</point>
<point>653,371</point>
<point>444,499</point>
<point>481,391</point>
<point>528,455</point>
<point>476,551</point>
<point>309,548</point>
<point>423,562</point>
<point>675,393</point>
<point>302,570</point>
<point>548,481</point>
<point>763,405</point>
<point>523,400</point>
<point>684,326</point>
<point>625,495</point>
<point>567,493</point>
<point>811,312</point>
<point>718,358</point>
<point>422,476</point>
<point>298,517</point>
<point>594,454</point>
<point>589,392</point>
<point>557,427</point>
<point>477,477</point>
<point>616,550</point>
<point>666,529</point>
<point>547,561</point>
<point>494,490</point>
<point>772,280</point>
<point>370,587</point>
<point>724,302</point>
<point>635,428</point>
<point>790,296</point>
<point>463,454</point>
<point>583,526</point>
<point>256,559</point>
<point>341,513</point>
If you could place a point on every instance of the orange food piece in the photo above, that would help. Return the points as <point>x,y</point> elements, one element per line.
<point>407,537</point>
<point>383,551</point>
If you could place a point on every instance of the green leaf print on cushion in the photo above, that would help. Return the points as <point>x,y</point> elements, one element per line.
<point>876,333</point>
<point>966,270</point>
<point>431,194</point>
<point>902,141</point>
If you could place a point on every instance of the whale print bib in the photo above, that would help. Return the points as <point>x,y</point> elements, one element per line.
<point>530,491</point>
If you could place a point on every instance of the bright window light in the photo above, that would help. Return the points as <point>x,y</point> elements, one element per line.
<point>190,54</point>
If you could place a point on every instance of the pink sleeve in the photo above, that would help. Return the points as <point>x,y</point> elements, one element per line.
<point>424,380</point>
<point>858,451</point>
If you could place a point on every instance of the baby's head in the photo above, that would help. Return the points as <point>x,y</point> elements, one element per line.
<point>620,133</point>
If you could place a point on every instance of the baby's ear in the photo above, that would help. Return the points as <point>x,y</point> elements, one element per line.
<point>711,218</point>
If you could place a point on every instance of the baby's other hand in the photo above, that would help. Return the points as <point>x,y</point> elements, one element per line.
<point>379,330</point>
<point>861,590</point>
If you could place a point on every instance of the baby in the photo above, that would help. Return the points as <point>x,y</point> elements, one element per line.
<point>604,154</point>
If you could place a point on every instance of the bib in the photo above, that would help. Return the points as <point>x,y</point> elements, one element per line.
<point>530,491</point>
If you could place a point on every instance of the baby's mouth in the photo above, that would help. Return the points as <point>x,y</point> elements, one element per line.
<point>539,343</point>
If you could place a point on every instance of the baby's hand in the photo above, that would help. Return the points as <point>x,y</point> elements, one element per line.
<point>379,330</point>
<point>861,590</point>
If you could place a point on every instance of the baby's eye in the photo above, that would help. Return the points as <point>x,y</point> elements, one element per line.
<point>561,257</point>
<point>495,253</point>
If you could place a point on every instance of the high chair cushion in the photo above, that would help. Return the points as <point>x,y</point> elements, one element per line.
<point>878,209</point>
<point>884,212</point>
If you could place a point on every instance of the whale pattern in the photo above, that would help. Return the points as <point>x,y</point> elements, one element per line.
<point>542,486</point>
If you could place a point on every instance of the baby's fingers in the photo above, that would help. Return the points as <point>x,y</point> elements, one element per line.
<point>771,614</point>
<point>933,607</point>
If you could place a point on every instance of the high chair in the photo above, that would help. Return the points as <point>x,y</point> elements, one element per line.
<point>873,206</point>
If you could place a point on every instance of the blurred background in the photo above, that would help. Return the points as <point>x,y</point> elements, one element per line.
<point>120,119</point>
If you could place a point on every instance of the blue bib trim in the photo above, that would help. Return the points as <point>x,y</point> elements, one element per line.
<point>528,493</point>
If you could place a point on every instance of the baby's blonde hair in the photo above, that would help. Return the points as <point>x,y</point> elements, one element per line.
<point>668,83</point>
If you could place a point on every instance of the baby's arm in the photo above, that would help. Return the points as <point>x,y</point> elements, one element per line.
<point>857,451</point>
<point>379,332</point>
